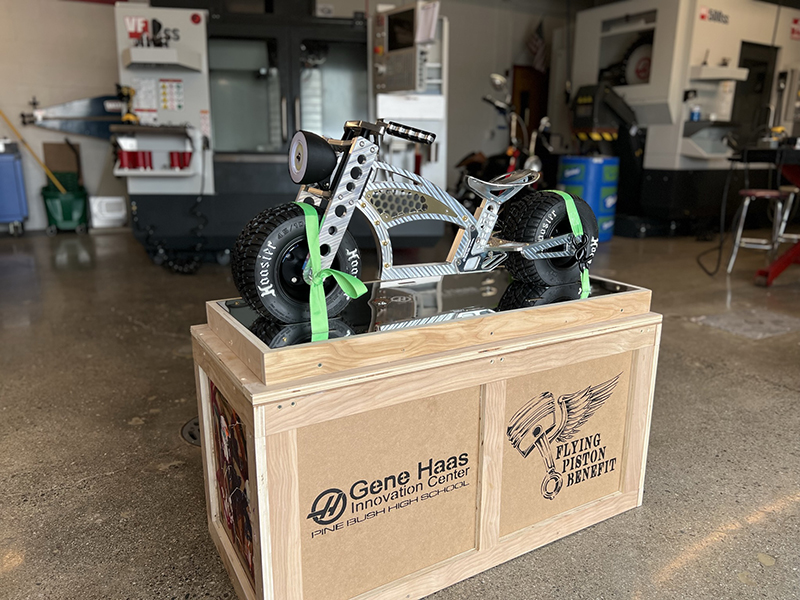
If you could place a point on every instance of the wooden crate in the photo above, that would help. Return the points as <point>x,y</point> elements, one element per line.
<point>394,464</point>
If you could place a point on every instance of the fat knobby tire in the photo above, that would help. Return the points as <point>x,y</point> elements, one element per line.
<point>535,216</point>
<point>256,266</point>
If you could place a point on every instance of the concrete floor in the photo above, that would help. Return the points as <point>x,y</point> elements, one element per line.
<point>101,498</point>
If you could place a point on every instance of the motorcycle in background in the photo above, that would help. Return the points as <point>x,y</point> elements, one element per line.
<point>520,154</point>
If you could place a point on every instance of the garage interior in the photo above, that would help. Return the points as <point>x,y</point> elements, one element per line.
<point>104,489</point>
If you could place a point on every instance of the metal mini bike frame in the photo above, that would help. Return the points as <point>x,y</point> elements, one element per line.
<point>389,196</point>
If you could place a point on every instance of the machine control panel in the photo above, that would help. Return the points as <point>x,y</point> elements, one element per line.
<point>399,60</point>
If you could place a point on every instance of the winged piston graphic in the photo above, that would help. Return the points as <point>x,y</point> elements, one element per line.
<point>545,420</point>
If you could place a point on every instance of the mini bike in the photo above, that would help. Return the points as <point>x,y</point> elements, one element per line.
<point>528,231</point>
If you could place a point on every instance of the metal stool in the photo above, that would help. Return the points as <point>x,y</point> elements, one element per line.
<point>771,246</point>
<point>790,193</point>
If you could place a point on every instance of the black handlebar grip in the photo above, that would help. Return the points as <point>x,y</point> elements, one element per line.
<point>409,133</point>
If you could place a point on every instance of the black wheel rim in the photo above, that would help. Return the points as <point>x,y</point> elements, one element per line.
<point>290,272</point>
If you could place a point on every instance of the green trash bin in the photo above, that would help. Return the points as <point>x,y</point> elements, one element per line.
<point>65,212</point>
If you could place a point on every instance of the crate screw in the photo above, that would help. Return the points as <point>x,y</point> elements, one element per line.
<point>319,365</point>
<point>279,406</point>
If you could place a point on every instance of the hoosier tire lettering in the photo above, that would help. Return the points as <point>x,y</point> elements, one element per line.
<point>267,266</point>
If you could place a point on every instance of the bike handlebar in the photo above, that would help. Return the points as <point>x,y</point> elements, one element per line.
<point>410,133</point>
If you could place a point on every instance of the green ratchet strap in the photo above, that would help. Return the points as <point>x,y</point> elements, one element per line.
<point>352,286</point>
<point>577,229</point>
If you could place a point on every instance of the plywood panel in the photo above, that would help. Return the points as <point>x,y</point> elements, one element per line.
<point>387,493</point>
<point>564,440</point>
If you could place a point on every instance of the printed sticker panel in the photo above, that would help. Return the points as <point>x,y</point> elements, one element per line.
<point>387,492</point>
<point>564,439</point>
<point>231,477</point>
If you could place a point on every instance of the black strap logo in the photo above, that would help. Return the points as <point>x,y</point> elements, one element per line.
<point>328,507</point>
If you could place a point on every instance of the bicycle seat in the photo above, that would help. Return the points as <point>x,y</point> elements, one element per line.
<point>507,182</point>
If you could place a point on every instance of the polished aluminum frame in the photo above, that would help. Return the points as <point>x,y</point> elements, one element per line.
<point>475,248</point>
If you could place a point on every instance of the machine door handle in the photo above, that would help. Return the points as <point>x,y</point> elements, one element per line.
<point>284,120</point>
<point>297,124</point>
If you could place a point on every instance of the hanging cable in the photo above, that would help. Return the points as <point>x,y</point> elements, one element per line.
<point>722,234</point>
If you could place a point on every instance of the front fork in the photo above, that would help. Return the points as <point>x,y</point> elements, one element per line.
<point>351,176</point>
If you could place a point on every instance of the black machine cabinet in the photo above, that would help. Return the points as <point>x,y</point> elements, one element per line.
<point>313,75</point>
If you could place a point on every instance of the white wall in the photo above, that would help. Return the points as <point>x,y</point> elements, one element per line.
<point>57,51</point>
<point>487,37</point>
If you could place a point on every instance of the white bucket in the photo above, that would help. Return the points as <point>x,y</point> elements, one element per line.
<point>108,211</point>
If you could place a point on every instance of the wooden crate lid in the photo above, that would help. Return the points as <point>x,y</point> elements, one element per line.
<point>381,348</point>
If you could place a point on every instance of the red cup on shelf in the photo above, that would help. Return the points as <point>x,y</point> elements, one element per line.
<point>148,160</point>
<point>175,160</point>
<point>127,159</point>
<point>187,160</point>
<point>140,159</point>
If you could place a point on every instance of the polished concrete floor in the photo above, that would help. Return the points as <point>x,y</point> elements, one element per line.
<point>101,498</point>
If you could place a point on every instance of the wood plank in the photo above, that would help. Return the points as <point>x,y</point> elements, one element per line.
<point>320,383</point>
<point>259,520</point>
<point>225,370</point>
<point>640,405</point>
<point>381,348</point>
<point>650,396</point>
<point>248,348</point>
<point>278,465</point>
<point>493,410</point>
<point>206,448</point>
<point>425,582</point>
<point>230,560</point>
<point>303,408</point>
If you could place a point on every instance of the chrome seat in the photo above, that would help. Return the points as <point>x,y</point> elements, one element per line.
<point>503,186</point>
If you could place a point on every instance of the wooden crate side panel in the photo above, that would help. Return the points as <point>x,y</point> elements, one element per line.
<point>281,501</point>
<point>501,363</point>
<point>564,441</point>
<point>387,492</point>
<point>240,579</point>
<point>233,481</point>
<point>225,370</point>
<point>238,338</point>
<point>350,353</point>
<point>447,573</point>
<point>230,559</point>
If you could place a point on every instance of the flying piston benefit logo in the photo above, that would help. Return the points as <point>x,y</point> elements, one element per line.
<point>553,427</point>
<point>363,500</point>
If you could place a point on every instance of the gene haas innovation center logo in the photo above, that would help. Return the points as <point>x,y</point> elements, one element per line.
<point>365,500</point>
<point>545,421</point>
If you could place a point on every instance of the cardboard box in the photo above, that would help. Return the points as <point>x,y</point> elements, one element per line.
<point>395,464</point>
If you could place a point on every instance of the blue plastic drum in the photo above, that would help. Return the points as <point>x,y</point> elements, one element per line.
<point>595,179</point>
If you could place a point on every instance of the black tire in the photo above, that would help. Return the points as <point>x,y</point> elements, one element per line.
<point>521,294</point>
<point>267,266</point>
<point>535,216</point>
<point>281,335</point>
